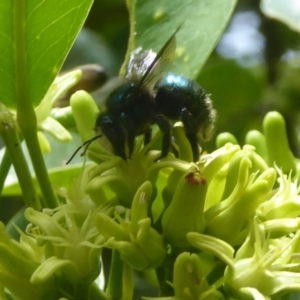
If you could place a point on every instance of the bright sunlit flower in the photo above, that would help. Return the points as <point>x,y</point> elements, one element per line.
<point>285,203</point>
<point>263,266</point>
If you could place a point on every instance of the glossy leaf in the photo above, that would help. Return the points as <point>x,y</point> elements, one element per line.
<point>203,22</point>
<point>36,36</point>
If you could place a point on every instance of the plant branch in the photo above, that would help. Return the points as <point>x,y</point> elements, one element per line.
<point>13,147</point>
<point>4,168</point>
<point>26,117</point>
<point>115,276</point>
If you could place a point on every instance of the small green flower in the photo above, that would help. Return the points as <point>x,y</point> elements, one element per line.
<point>72,246</point>
<point>244,191</point>
<point>189,280</point>
<point>285,203</point>
<point>45,122</point>
<point>140,246</point>
<point>43,111</point>
<point>18,262</point>
<point>263,267</point>
<point>121,178</point>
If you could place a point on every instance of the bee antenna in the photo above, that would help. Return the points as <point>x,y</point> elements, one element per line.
<point>86,144</point>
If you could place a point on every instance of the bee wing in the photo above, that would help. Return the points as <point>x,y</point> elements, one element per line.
<point>138,64</point>
<point>145,67</point>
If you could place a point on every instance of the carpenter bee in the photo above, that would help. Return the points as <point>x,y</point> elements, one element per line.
<point>144,100</point>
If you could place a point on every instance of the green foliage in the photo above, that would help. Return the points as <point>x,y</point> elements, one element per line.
<point>225,227</point>
<point>36,37</point>
<point>202,21</point>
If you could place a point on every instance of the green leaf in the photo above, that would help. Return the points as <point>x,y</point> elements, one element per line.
<point>36,36</point>
<point>236,102</point>
<point>203,23</point>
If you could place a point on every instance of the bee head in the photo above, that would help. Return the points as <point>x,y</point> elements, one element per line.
<point>110,128</point>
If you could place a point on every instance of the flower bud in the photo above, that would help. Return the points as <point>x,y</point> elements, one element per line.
<point>277,142</point>
<point>43,110</point>
<point>18,262</point>
<point>258,140</point>
<point>226,219</point>
<point>185,212</point>
<point>189,279</point>
<point>85,112</point>
<point>224,138</point>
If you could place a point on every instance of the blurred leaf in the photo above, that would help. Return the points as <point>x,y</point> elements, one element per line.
<point>235,92</point>
<point>59,177</point>
<point>203,23</point>
<point>36,36</point>
<point>114,31</point>
<point>91,48</point>
<point>288,11</point>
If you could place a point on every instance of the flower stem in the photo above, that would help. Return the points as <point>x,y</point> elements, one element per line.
<point>81,291</point>
<point>128,283</point>
<point>114,284</point>
<point>13,147</point>
<point>4,168</point>
<point>40,168</point>
<point>26,117</point>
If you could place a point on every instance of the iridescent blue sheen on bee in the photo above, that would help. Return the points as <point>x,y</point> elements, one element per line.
<point>144,100</point>
<point>181,98</point>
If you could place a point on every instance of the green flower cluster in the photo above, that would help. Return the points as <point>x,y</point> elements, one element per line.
<point>236,204</point>
<point>226,227</point>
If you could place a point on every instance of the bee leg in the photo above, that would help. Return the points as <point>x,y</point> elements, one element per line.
<point>120,151</point>
<point>192,137</point>
<point>165,126</point>
<point>118,142</point>
<point>127,124</point>
<point>117,139</point>
<point>130,141</point>
<point>174,150</point>
<point>190,132</point>
<point>147,136</point>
